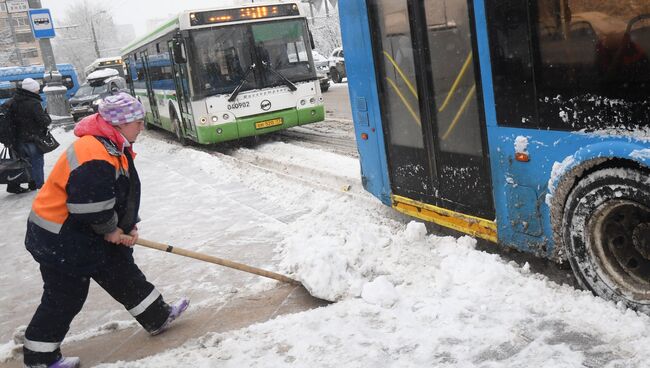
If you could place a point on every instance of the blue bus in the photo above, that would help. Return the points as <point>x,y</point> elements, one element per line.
<point>12,76</point>
<point>526,123</point>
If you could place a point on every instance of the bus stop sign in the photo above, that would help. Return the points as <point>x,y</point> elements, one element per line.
<point>41,22</point>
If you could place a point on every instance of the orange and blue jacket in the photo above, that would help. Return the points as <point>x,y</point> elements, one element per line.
<point>92,189</point>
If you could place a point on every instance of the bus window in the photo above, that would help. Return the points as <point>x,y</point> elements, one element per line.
<point>454,82</point>
<point>584,55</point>
<point>512,62</point>
<point>19,83</point>
<point>7,90</point>
<point>68,82</point>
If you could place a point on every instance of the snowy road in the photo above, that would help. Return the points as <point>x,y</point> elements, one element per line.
<point>406,299</point>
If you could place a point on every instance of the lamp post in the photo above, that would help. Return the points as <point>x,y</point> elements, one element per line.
<point>54,89</point>
<point>92,28</point>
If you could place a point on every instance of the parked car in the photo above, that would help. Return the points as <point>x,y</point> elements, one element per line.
<point>99,84</point>
<point>322,70</point>
<point>337,65</point>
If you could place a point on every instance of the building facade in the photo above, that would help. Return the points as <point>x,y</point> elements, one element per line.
<point>18,47</point>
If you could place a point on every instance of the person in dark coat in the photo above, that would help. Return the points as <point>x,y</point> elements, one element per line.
<point>82,226</point>
<point>30,121</point>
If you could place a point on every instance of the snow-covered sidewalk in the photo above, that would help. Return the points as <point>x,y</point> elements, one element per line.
<point>406,299</point>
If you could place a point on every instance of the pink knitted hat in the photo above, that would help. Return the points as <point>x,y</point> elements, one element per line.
<point>121,108</point>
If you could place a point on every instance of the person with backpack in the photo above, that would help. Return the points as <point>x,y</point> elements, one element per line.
<point>82,226</point>
<point>30,121</point>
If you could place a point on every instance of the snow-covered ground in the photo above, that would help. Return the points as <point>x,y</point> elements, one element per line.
<point>405,298</point>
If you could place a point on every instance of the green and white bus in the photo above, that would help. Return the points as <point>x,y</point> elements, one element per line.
<point>214,75</point>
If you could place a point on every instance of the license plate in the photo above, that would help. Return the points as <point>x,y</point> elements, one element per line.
<point>268,123</point>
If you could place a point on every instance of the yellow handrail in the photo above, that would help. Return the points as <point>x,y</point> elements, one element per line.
<point>460,75</point>
<point>401,73</point>
<point>460,111</point>
<point>404,101</point>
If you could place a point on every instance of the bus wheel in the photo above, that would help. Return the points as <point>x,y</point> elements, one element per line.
<point>607,235</point>
<point>176,123</point>
<point>250,142</point>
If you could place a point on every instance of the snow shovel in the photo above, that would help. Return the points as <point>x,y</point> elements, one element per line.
<point>216,260</point>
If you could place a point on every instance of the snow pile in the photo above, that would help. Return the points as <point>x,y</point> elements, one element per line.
<point>55,89</point>
<point>426,301</point>
<point>643,154</point>
<point>521,144</point>
<point>559,168</point>
<point>380,292</point>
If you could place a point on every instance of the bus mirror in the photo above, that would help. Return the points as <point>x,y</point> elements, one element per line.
<point>311,40</point>
<point>179,57</point>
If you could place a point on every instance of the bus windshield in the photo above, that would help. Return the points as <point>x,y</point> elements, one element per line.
<point>223,55</point>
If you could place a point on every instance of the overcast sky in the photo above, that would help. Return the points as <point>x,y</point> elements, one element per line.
<point>136,12</point>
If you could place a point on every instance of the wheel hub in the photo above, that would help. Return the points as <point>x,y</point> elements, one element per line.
<point>620,232</point>
<point>641,239</point>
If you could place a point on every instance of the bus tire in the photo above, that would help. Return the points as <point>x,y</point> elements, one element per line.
<point>606,231</point>
<point>178,132</point>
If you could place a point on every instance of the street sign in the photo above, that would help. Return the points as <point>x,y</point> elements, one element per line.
<point>17,6</point>
<point>41,22</point>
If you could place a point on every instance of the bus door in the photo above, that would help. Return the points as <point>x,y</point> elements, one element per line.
<point>181,82</point>
<point>153,104</point>
<point>129,75</point>
<point>433,121</point>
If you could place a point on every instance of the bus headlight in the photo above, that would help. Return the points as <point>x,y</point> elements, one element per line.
<point>214,119</point>
<point>303,102</point>
<point>226,116</point>
<point>312,100</point>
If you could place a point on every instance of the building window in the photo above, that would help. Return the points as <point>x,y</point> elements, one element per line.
<point>24,37</point>
<point>3,7</point>
<point>21,22</point>
<point>30,53</point>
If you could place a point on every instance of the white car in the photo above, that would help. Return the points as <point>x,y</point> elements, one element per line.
<point>322,70</point>
<point>337,65</point>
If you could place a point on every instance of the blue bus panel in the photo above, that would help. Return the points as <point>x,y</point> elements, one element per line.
<point>13,75</point>
<point>561,92</point>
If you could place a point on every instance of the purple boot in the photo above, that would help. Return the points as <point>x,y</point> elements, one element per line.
<point>176,311</point>
<point>69,362</point>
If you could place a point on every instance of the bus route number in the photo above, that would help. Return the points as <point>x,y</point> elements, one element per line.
<point>238,105</point>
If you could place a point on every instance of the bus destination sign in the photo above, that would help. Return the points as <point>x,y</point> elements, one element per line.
<point>239,14</point>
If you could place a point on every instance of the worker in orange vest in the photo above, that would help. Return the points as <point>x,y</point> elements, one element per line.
<point>76,232</point>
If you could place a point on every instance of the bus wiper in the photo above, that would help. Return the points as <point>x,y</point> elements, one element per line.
<point>282,77</point>
<point>234,93</point>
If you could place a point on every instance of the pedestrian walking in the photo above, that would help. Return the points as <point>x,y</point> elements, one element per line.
<point>82,226</point>
<point>30,123</point>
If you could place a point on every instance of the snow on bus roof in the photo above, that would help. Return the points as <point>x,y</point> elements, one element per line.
<point>32,69</point>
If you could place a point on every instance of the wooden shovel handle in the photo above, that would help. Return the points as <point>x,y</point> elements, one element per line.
<point>215,260</point>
